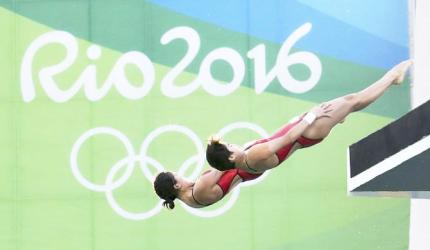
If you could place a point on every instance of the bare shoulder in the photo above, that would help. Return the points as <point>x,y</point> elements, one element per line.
<point>259,152</point>
<point>260,158</point>
<point>206,187</point>
<point>210,175</point>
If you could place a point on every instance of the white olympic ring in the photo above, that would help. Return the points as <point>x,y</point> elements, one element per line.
<point>130,160</point>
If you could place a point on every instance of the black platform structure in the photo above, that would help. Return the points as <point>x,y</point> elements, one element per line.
<point>394,161</point>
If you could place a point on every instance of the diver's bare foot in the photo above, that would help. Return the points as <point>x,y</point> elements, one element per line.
<point>400,71</point>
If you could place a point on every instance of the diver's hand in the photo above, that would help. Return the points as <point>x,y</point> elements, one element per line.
<point>322,110</point>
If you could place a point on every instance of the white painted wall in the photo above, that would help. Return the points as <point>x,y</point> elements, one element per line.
<point>420,45</point>
<point>419,232</point>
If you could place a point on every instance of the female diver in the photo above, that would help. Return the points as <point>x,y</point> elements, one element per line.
<point>234,164</point>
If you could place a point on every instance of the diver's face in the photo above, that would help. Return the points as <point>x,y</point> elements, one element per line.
<point>176,176</point>
<point>179,179</point>
<point>237,151</point>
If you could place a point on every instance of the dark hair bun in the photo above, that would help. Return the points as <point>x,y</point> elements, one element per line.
<point>169,204</point>
<point>214,139</point>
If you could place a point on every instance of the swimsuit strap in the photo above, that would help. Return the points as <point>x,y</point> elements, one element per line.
<point>247,165</point>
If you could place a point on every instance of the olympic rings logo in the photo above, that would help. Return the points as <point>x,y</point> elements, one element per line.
<point>143,160</point>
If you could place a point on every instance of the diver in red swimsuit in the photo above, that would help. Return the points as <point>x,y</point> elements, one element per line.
<point>209,188</point>
<point>308,130</point>
<point>235,164</point>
